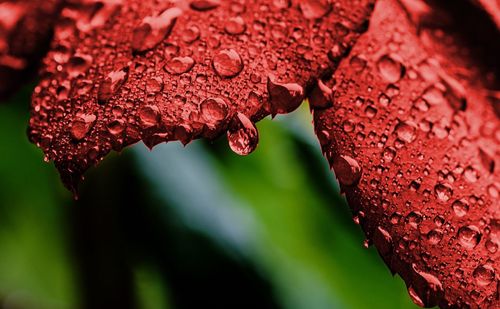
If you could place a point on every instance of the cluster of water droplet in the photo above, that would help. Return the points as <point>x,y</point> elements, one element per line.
<point>123,71</point>
<point>417,160</point>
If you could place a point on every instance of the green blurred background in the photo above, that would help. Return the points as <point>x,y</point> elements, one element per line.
<point>193,227</point>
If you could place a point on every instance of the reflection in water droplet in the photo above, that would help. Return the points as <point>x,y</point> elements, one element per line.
<point>213,111</point>
<point>227,63</point>
<point>81,126</point>
<point>484,275</point>
<point>460,208</point>
<point>443,192</point>
<point>243,136</point>
<point>469,236</point>
<point>405,132</point>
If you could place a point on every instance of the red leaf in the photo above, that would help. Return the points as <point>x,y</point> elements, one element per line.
<point>25,27</point>
<point>124,71</point>
<point>414,141</point>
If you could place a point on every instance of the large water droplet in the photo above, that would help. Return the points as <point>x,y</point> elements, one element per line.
<point>213,111</point>
<point>243,136</point>
<point>469,236</point>
<point>179,65</point>
<point>443,192</point>
<point>484,275</point>
<point>284,98</point>
<point>81,126</point>
<point>153,30</point>
<point>391,70</point>
<point>460,207</point>
<point>227,63</point>
<point>313,9</point>
<point>347,170</point>
<point>111,84</point>
<point>405,132</point>
<point>235,25</point>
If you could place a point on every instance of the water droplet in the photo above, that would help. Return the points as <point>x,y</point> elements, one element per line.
<point>149,116</point>
<point>81,126</point>
<point>235,25</point>
<point>191,34</point>
<point>414,218</point>
<point>204,5</point>
<point>243,136</point>
<point>469,236</point>
<point>78,65</point>
<point>111,84</point>
<point>460,207</point>
<point>470,174</point>
<point>227,63</point>
<point>314,9</point>
<point>434,236</point>
<point>347,170</point>
<point>321,96</point>
<point>427,290</point>
<point>213,110</point>
<point>390,69</point>
<point>434,96</point>
<point>284,98</point>
<point>154,30</point>
<point>484,275</point>
<point>116,127</point>
<point>179,65</point>
<point>389,154</point>
<point>443,192</point>
<point>405,132</point>
<point>357,63</point>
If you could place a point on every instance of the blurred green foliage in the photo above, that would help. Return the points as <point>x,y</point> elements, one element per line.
<point>180,227</point>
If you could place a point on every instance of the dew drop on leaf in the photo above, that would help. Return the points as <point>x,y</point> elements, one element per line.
<point>227,63</point>
<point>469,236</point>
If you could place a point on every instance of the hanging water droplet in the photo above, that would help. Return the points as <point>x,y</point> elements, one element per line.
<point>284,98</point>
<point>347,170</point>
<point>243,136</point>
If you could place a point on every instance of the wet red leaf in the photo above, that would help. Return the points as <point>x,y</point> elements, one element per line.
<point>124,71</point>
<point>414,140</point>
<point>25,28</point>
